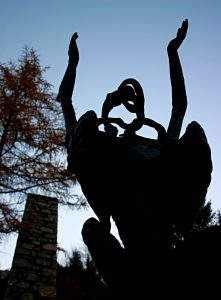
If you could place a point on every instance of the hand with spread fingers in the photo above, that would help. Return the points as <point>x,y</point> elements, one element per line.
<point>181,34</point>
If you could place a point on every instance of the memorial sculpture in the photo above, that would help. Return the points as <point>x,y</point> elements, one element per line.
<point>147,186</point>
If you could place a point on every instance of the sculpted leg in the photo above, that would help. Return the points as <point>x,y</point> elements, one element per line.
<point>108,256</point>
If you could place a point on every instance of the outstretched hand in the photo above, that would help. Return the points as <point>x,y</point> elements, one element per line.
<point>73,50</point>
<point>181,34</point>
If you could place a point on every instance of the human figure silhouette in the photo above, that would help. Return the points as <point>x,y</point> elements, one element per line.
<point>133,178</point>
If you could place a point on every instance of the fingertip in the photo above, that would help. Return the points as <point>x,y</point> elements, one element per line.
<point>185,23</point>
<point>75,35</point>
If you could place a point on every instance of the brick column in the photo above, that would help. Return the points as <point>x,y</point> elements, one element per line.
<point>33,272</point>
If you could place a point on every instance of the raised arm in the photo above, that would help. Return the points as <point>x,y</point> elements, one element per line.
<point>179,99</point>
<point>67,85</point>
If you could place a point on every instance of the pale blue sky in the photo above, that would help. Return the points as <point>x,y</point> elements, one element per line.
<point>120,39</point>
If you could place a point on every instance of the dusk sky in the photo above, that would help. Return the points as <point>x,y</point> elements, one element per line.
<point>119,39</point>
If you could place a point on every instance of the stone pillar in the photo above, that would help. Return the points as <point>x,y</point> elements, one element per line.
<point>33,272</point>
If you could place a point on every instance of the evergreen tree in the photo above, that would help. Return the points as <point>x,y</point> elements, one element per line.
<point>79,279</point>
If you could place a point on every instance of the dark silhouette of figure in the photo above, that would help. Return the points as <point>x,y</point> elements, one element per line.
<point>146,185</point>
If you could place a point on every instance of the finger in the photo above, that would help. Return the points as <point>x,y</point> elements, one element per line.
<point>181,33</point>
<point>178,31</point>
<point>185,25</point>
<point>75,35</point>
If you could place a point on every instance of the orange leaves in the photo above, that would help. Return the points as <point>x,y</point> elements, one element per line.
<point>9,220</point>
<point>31,132</point>
<point>27,97</point>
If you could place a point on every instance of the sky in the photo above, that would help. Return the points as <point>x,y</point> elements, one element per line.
<point>119,39</point>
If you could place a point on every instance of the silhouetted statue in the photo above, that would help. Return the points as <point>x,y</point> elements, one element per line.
<point>141,183</point>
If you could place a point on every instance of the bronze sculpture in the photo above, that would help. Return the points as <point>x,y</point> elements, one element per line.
<point>132,178</point>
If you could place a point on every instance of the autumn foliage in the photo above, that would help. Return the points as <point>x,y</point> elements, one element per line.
<point>31,139</point>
